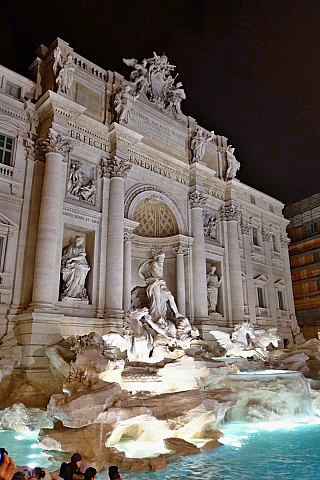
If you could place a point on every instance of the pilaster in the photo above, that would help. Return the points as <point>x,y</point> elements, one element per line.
<point>116,170</point>
<point>197,202</point>
<point>231,215</point>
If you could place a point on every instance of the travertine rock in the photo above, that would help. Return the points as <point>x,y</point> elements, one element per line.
<point>20,418</point>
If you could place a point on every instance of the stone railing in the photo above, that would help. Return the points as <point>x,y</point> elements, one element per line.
<point>6,170</point>
<point>282,313</point>
<point>262,312</point>
<point>89,67</point>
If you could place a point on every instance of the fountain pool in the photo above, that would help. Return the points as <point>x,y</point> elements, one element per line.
<point>272,450</point>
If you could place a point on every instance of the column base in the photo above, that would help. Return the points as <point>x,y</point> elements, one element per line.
<point>34,332</point>
<point>114,320</point>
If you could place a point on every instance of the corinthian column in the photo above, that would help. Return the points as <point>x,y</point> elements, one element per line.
<point>197,201</point>
<point>45,293</point>
<point>181,284</point>
<point>231,214</point>
<point>116,169</point>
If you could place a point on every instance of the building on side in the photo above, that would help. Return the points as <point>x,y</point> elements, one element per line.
<point>304,253</point>
<point>98,174</point>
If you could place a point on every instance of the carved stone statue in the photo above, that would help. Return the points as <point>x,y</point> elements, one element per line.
<point>198,144</point>
<point>246,342</point>
<point>74,270</point>
<point>152,76</point>
<point>123,101</point>
<point>233,164</point>
<point>63,70</point>
<point>157,291</point>
<point>213,284</point>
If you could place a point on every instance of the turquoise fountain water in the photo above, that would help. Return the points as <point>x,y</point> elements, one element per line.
<point>282,449</point>
<point>276,450</point>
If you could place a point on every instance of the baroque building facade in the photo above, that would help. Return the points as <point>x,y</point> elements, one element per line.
<point>98,174</point>
<point>304,253</point>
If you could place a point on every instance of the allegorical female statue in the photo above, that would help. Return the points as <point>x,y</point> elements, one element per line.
<point>213,284</point>
<point>74,270</point>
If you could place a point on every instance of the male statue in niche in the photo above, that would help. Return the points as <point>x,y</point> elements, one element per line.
<point>157,291</point>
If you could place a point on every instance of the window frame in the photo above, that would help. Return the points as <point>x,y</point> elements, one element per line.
<point>5,150</point>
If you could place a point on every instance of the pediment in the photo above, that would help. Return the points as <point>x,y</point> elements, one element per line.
<point>281,283</point>
<point>6,222</point>
<point>10,122</point>
<point>260,279</point>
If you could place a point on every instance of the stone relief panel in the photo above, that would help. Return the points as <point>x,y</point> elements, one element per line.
<point>155,219</point>
<point>209,225</point>
<point>82,182</point>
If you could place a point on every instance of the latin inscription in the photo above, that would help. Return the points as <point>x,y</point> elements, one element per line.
<point>159,170</point>
<point>89,141</point>
<point>158,132</point>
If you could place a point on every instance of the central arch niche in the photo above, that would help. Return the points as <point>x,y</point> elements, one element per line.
<point>156,219</point>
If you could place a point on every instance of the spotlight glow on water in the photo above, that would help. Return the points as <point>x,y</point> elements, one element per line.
<point>270,450</point>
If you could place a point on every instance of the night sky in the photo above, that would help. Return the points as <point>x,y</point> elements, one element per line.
<point>250,69</point>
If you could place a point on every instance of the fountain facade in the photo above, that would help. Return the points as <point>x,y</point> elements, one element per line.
<point>129,254</point>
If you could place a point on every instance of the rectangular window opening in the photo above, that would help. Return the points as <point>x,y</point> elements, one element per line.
<point>6,149</point>
<point>13,90</point>
<point>280,300</point>
<point>261,303</point>
<point>255,236</point>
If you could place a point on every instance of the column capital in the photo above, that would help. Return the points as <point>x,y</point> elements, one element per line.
<point>115,167</point>
<point>266,235</point>
<point>129,237</point>
<point>197,199</point>
<point>56,143</point>
<point>230,212</point>
<point>284,240</point>
<point>180,250</point>
<point>245,228</point>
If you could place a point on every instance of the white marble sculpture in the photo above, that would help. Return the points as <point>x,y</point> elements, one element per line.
<point>213,284</point>
<point>198,144</point>
<point>157,291</point>
<point>233,164</point>
<point>237,345</point>
<point>246,342</point>
<point>152,76</point>
<point>123,103</point>
<point>155,328</point>
<point>63,69</point>
<point>74,270</point>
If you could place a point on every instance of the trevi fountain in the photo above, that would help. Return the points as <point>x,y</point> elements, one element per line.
<point>146,308</point>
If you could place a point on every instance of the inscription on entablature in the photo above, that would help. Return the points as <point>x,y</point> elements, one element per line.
<point>158,132</point>
<point>79,214</point>
<point>142,162</point>
<point>214,193</point>
<point>89,141</point>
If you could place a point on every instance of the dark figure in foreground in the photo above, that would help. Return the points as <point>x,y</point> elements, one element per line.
<point>114,473</point>
<point>68,470</point>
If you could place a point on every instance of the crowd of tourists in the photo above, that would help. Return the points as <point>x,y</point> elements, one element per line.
<point>74,470</point>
